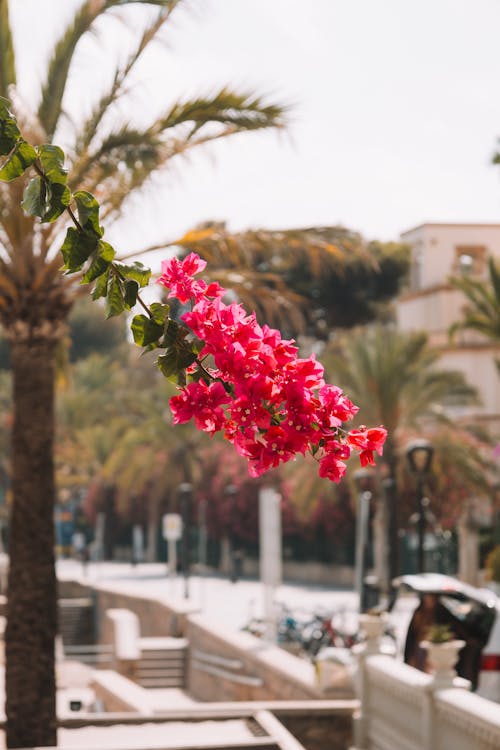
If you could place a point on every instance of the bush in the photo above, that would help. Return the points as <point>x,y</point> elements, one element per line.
<point>492,564</point>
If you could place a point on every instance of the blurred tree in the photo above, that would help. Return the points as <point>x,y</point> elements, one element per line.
<point>481,312</point>
<point>115,160</point>
<point>304,281</point>
<point>393,377</point>
<point>86,334</point>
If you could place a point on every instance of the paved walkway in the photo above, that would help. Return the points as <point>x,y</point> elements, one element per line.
<point>217,597</point>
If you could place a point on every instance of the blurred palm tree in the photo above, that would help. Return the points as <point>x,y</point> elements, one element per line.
<point>394,378</point>
<point>114,159</point>
<point>303,281</point>
<point>481,312</point>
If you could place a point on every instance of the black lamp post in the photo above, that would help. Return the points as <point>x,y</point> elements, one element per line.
<point>363,480</point>
<point>419,454</point>
<point>185,495</point>
<point>390,490</point>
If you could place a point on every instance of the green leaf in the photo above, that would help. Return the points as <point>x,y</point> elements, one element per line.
<point>131,292</point>
<point>115,302</point>
<point>52,160</point>
<point>175,360</point>
<point>159,312</point>
<point>58,199</point>
<point>19,160</point>
<point>9,132</point>
<point>34,197</point>
<point>101,286</point>
<point>174,334</point>
<point>100,261</point>
<point>136,271</point>
<point>88,211</point>
<point>145,331</point>
<point>77,248</point>
<point>45,200</point>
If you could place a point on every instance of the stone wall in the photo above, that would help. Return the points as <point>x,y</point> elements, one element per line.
<point>239,667</point>
<point>156,618</point>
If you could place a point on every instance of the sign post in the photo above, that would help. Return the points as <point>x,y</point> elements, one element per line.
<point>270,554</point>
<point>172,532</point>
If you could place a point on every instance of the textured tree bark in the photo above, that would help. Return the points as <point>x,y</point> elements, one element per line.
<point>32,588</point>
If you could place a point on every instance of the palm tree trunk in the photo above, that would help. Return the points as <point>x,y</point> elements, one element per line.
<point>32,588</point>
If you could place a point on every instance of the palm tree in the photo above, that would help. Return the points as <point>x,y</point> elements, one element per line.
<point>35,299</point>
<point>303,281</point>
<point>393,378</point>
<point>482,311</point>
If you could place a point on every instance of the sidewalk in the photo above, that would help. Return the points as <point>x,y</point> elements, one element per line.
<point>217,597</point>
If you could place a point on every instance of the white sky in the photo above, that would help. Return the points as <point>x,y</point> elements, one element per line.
<point>396,110</point>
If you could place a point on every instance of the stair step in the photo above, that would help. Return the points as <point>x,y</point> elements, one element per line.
<point>178,659</point>
<point>151,682</point>
<point>159,673</point>
<point>163,654</point>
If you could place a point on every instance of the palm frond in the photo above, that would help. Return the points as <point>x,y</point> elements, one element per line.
<point>482,311</point>
<point>394,378</point>
<point>57,75</point>
<point>241,111</point>
<point>89,129</point>
<point>7,57</point>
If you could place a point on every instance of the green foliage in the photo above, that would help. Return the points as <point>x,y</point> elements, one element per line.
<point>77,247</point>
<point>492,564</point>
<point>88,212</point>
<point>9,132</point>
<point>304,281</point>
<point>7,64</point>
<point>482,311</point>
<point>87,334</point>
<point>21,157</point>
<point>146,331</point>
<point>439,634</point>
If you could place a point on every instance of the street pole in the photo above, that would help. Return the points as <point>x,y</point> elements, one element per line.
<point>185,490</point>
<point>270,555</point>
<point>361,542</point>
<point>389,484</point>
<point>420,525</point>
<point>419,454</point>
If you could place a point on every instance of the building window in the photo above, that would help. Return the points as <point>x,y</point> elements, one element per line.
<point>469,259</point>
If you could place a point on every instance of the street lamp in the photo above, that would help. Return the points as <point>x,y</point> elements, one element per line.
<point>362,479</point>
<point>419,454</point>
<point>185,493</point>
<point>390,491</point>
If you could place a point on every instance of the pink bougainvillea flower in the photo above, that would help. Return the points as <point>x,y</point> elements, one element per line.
<point>203,403</point>
<point>367,441</point>
<point>177,276</point>
<point>268,402</point>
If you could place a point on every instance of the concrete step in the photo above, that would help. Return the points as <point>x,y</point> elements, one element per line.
<point>161,682</point>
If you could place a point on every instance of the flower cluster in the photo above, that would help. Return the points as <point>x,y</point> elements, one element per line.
<point>269,403</point>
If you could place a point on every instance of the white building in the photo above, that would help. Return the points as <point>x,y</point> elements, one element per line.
<point>430,303</point>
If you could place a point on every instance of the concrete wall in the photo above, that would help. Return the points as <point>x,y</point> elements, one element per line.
<point>239,667</point>
<point>222,665</point>
<point>404,708</point>
<point>155,617</point>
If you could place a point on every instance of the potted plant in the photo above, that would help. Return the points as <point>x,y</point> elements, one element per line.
<point>442,650</point>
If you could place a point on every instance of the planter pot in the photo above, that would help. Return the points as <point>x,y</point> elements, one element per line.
<point>442,658</point>
<point>372,626</point>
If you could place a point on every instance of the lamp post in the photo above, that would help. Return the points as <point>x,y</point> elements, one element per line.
<point>419,454</point>
<point>185,493</point>
<point>389,485</point>
<point>362,480</point>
